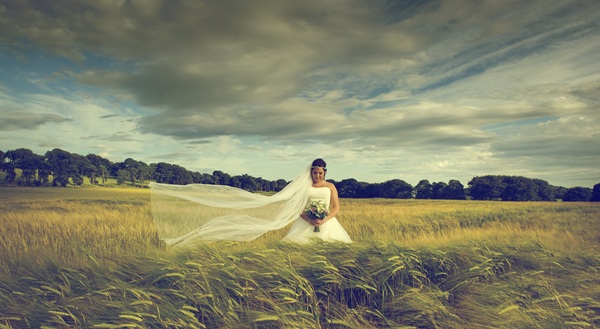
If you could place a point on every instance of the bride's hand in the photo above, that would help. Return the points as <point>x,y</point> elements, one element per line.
<point>317,222</point>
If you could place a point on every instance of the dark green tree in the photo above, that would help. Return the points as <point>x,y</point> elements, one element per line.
<point>347,188</point>
<point>261,184</point>
<point>544,190</point>
<point>596,193</point>
<point>455,190</point>
<point>578,194</point>
<point>91,172</point>
<point>248,183</point>
<point>280,184</point>
<point>101,165</point>
<point>488,187</point>
<point>8,168</point>
<point>144,172</point>
<point>103,173</point>
<point>163,172</point>
<point>221,178</point>
<point>395,189</point>
<point>207,179</point>
<point>61,165</point>
<point>423,189</point>
<point>79,165</point>
<point>131,167</point>
<point>11,173</point>
<point>518,188</point>
<point>559,192</point>
<point>123,176</point>
<point>236,182</point>
<point>44,173</point>
<point>181,176</point>
<point>27,161</point>
<point>438,191</point>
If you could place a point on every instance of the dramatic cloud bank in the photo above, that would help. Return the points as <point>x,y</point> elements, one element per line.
<point>432,90</point>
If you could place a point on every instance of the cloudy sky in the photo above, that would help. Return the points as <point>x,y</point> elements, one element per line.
<point>433,90</point>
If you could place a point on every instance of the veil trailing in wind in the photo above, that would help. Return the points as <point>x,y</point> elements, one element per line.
<point>187,214</point>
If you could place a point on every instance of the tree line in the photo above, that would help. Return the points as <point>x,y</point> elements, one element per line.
<point>61,168</point>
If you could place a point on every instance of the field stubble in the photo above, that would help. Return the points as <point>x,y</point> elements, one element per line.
<point>90,257</point>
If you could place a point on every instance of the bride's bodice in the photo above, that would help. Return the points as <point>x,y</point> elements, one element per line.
<point>319,194</point>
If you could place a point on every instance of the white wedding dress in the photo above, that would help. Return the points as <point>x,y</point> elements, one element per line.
<point>332,231</point>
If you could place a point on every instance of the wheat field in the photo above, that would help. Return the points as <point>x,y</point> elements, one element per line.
<point>91,258</point>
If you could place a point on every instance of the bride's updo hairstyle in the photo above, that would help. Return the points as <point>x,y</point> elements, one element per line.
<point>319,163</point>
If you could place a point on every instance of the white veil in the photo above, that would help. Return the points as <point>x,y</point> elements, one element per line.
<point>186,214</point>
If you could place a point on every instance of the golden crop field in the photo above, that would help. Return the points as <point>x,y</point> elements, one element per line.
<point>91,258</point>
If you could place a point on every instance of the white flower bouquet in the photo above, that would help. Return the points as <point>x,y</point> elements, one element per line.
<point>317,210</point>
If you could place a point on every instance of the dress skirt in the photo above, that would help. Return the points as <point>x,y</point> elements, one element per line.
<point>302,232</point>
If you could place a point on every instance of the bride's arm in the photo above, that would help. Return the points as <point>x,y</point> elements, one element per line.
<point>334,203</point>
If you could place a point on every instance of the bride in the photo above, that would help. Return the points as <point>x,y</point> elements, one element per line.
<point>188,214</point>
<point>329,228</point>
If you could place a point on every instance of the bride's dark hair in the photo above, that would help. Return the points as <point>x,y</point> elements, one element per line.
<point>319,163</point>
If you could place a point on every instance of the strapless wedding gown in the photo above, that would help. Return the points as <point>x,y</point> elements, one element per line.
<point>332,231</point>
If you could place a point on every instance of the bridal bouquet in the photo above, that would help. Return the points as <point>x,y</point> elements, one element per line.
<point>317,210</point>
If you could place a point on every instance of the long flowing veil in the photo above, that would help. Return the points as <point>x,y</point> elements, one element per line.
<point>187,214</point>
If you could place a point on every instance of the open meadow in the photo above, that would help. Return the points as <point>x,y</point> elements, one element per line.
<point>91,258</point>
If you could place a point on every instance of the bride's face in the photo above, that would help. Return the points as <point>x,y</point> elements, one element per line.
<point>318,174</point>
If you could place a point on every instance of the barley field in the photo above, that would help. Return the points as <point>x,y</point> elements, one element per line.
<point>90,258</point>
